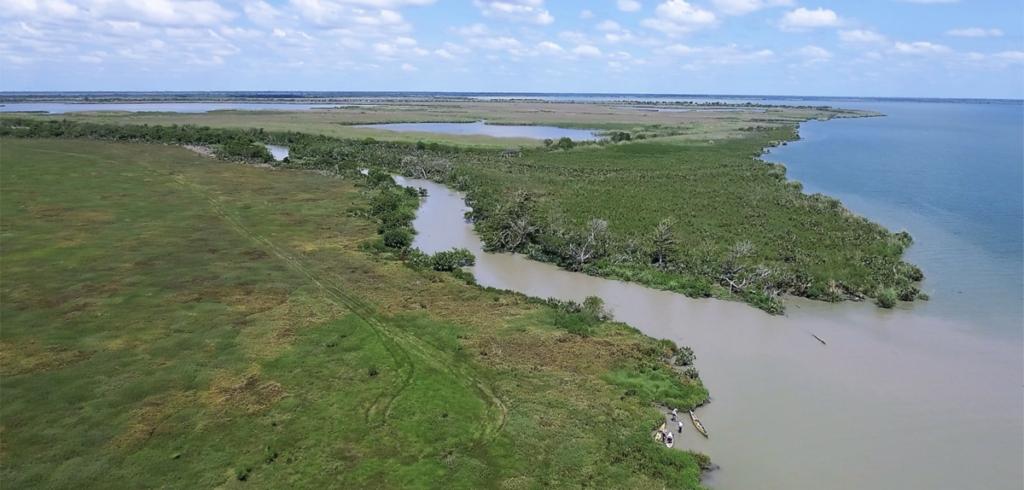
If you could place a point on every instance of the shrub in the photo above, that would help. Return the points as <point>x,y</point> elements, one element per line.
<point>594,306</point>
<point>692,373</point>
<point>450,260</point>
<point>465,276</point>
<point>242,472</point>
<point>565,143</point>
<point>907,292</point>
<point>378,178</point>
<point>771,304</point>
<point>392,220</point>
<point>398,238</point>
<point>887,298</point>
<point>575,323</point>
<point>685,357</point>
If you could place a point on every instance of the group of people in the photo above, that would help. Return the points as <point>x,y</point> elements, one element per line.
<point>675,414</point>
<point>664,435</point>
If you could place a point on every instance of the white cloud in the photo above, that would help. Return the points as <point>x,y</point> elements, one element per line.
<point>629,5</point>
<point>974,32</point>
<point>574,37</point>
<point>18,8</point>
<point>919,47</point>
<point>587,14</point>
<point>730,54</point>
<point>617,37</point>
<point>803,19</point>
<point>399,47</point>
<point>813,52</point>
<point>550,47</point>
<point>473,30</point>
<point>444,54</point>
<point>1010,56</point>
<point>163,12</point>
<point>744,7</point>
<point>498,43</point>
<point>678,16</point>
<point>408,67</point>
<point>262,14</point>
<point>858,36</point>
<point>608,25</point>
<point>455,48</point>
<point>351,43</point>
<point>616,66</point>
<point>586,50</point>
<point>528,11</point>
<point>383,49</point>
<point>328,14</point>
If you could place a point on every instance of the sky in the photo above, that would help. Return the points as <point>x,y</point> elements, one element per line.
<point>876,48</point>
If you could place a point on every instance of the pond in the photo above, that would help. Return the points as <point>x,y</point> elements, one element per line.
<point>279,152</point>
<point>500,131</point>
<point>183,107</point>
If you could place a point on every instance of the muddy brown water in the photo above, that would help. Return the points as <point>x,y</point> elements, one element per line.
<point>895,400</point>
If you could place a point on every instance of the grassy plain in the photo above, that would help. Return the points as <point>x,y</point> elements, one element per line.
<point>174,321</point>
<point>739,228</point>
<point>340,122</point>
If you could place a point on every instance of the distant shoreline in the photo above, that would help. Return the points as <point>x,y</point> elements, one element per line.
<point>269,97</point>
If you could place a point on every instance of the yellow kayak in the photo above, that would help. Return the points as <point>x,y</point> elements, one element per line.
<point>658,431</point>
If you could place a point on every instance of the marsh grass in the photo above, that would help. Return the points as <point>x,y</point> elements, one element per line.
<point>162,328</point>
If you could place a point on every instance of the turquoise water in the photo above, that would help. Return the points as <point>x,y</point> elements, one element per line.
<point>952,175</point>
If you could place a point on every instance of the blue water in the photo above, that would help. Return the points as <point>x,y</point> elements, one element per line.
<point>952,175</point>
<point>185,107</point>
<point>501,131</point>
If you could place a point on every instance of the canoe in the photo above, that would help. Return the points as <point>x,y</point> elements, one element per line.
<point>697,424</point>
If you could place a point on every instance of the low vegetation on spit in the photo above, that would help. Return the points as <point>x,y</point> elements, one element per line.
<point>176,321</point>
<point>702,218</point>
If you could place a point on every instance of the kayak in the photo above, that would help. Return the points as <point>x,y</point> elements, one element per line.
<point>697,424</point>
<point>658,431</point>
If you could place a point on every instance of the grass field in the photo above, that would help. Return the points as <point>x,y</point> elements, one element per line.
<point>340,122</point>
<point>174,321</point>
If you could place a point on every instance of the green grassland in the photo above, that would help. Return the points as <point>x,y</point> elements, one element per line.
<point>175,321</point>
<point>702,217</point>
<point>342,121</point>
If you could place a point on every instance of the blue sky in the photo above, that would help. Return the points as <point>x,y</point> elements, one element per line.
<point>908,48</point>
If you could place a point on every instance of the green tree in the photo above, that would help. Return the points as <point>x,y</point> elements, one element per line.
<point>663,241</point>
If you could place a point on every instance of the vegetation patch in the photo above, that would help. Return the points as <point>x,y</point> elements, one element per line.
<point>201,364</point>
